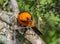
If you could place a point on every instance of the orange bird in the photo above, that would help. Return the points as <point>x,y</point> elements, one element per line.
<point>25,19</point>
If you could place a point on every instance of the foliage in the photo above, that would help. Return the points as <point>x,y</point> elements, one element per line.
<point>4,5</point>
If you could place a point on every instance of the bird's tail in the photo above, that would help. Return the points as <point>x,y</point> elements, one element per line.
<point>36,30</point>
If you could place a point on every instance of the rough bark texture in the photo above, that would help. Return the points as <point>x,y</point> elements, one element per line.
<point>5,33</point>
<point>33,37</point>
<point>14,7</point>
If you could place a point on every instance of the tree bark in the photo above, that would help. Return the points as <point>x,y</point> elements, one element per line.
<point>14,7</point>
<point>33,37</point>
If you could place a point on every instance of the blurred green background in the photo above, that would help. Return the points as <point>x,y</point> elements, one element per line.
<point>48,11</point>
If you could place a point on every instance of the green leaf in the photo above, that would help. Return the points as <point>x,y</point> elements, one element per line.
<point>1,2</point>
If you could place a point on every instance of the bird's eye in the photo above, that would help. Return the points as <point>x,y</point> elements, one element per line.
<point>27,18</point>
<point>31,18</point>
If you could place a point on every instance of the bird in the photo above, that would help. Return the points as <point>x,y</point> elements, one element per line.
<point>25,19</point>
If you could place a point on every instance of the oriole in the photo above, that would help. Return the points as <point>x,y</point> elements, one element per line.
<point>25,19</point>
